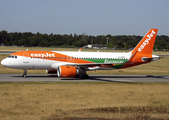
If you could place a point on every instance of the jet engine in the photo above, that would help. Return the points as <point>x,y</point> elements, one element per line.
<point>67,71</point>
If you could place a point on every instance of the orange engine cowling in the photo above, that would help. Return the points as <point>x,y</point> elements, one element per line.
<point>51,71</point>
<point>67,71</point>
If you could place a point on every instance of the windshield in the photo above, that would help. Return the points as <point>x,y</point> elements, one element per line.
<point>12,56</point>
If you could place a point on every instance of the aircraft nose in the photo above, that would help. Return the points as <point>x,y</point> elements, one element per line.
<point>4,62</point>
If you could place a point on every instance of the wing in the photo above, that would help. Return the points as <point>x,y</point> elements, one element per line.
<point>90,64</point>
<point>100,64</point>
<point>55,65</point>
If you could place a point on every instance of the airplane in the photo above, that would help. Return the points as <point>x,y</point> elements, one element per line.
<point>75,64</point>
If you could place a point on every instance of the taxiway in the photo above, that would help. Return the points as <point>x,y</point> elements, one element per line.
<point>7,52</point>
<point>92,78</point>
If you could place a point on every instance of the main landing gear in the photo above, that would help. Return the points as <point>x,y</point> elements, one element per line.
<point>85,76</point>
<point>24,74</point>
<point>82,73</point>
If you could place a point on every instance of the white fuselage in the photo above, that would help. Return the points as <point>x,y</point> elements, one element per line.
<point>22,62</point>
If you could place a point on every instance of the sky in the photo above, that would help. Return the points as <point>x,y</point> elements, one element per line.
<point>90,17</point>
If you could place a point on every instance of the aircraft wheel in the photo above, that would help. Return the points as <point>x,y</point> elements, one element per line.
<point>24,76</point>
<point>85,76</point>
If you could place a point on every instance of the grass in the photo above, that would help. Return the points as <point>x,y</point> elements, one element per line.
<point>47,101</point>
<point>35,48</point>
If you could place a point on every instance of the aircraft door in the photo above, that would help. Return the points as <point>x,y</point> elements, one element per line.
<point>25,57</point>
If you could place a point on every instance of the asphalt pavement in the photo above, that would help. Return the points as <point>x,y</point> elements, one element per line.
<point>92,78</point>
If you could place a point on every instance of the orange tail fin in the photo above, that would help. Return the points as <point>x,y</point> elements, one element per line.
<point>145,46</point>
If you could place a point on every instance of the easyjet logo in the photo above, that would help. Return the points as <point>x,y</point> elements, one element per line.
<point>149,36</point>
<point>42,55</point>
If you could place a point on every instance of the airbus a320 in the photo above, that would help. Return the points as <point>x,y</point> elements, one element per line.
<point>75,64</point>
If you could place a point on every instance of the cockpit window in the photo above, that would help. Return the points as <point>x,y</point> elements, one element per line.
<point>12,56</point>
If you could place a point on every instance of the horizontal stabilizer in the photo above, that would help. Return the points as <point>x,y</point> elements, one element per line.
<point>146,59</point>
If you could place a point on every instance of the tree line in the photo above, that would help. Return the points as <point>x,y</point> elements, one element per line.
<point>28,39</point>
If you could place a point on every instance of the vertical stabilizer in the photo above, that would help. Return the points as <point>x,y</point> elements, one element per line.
<point>145,46</point>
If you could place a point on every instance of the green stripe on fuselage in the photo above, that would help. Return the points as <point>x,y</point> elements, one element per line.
<point>117,62</point>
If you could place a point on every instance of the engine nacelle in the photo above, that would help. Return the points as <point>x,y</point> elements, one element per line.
<point>67,71</point>
<point>51,71</point>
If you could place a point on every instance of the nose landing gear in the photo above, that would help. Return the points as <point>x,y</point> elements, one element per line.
<point>24,74</point>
